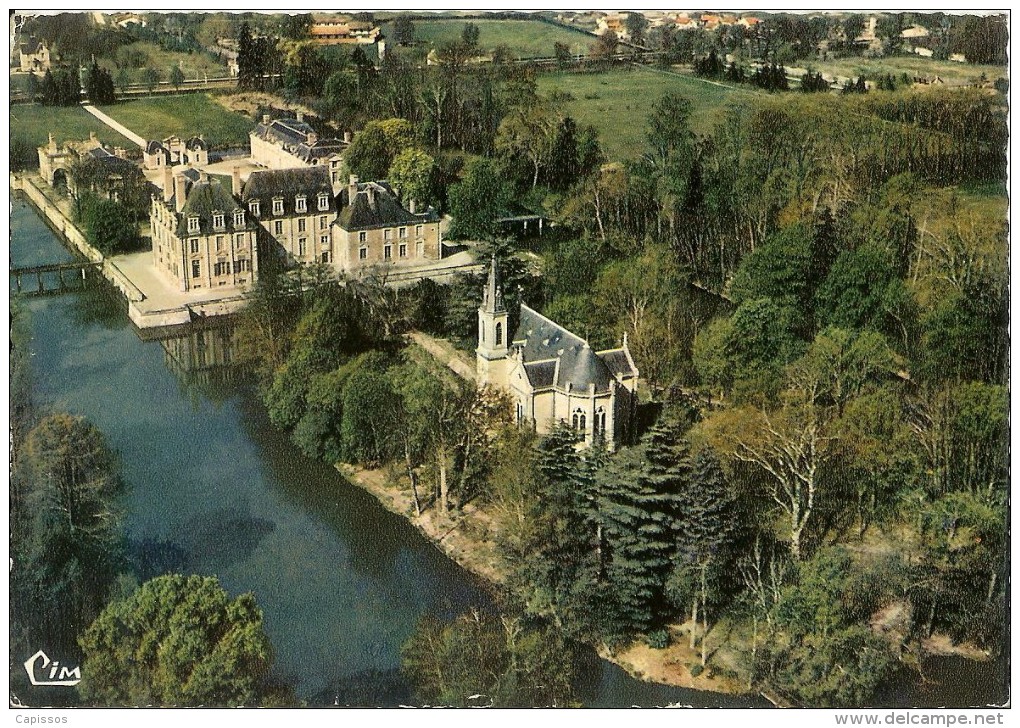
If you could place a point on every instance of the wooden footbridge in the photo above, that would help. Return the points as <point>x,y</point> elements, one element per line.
<point>46,284</point>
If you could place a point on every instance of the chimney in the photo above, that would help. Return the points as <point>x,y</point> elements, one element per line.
<point>119,153</point>
<point>236,182</point>
<point>300,116</point>
<point>265,119</point>
<point>412,206</point>
<point>53,144</point>
<point>179,193</point>
<point>347,136</point>
<point>92,138</point>
<point>168,184</point>
<point>352,188</point>
<point>371,195</point>
<point>202,176</point>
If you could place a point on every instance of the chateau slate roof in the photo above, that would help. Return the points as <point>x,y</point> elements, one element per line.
<point>205,198</point>
<point>155,146</point>
<point>293,136</point>
<point>197,143</point>
<point>540,339</point>
<point>541,374</point>
<point>265,185</point>
<point>376,205</point>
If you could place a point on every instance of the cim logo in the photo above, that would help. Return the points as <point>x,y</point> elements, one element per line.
<point>57,675</point>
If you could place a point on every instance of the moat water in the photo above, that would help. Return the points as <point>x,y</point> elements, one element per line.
<point>215,489</point>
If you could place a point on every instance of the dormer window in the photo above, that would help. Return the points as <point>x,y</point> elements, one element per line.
<point>217,220</point>
<point>323,201</point>
<point>278,206</point>
<point>193,224</point>
<point>239,218</point>
<point>301,204</point>
<point>253,207</point>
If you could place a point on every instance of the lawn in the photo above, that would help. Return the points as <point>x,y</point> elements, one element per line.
<point>524,38</point>
<point>33,123</point>
<point>617,103</point>
<point>185,116</point>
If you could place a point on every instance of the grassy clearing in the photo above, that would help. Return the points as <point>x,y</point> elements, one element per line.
<point>955,74</point>
<point>617,103</point>
<point>195,65</point>
<point>185,116</point>
<point>524,38</point>
<point>33,124</point>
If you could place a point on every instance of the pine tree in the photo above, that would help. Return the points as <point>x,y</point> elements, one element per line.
<point>639,501</point>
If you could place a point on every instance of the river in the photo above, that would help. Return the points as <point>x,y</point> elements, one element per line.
<point>215,489</point>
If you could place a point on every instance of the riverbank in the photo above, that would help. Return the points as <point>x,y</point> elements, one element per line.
<point>469,540</point>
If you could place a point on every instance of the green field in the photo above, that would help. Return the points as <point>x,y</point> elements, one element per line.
<point>33,123</point>
<point>524,38</point>
<point>617,103</point>
<point>185,116</point>
<point>149,55</point>
<point>955,74</point>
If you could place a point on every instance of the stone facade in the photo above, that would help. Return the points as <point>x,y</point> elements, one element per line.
<point>375,229</point>
<point>552,375</point>
<point>201,236</point>
<point>296,209</point>
<point>292,143</point>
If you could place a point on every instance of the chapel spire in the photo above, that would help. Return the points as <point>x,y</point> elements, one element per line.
<point>492,298</point>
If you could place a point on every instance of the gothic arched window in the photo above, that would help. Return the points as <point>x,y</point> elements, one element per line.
<point>499,334</point>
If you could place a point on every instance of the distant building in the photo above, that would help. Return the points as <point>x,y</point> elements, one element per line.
<point>553,375</point>
<point>173,151</point>
<point>33,55</point>
<point>915,31</point>
<point>292,143</point>
<point>296,208</point>
<point>56,162</point>
<point>202,238</point>
<point>374,228</point>
<point>343,31</point>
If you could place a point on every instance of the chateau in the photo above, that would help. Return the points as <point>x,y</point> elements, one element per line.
<point>290,143</point>
<point>201,237</point>
<point>552,375</point>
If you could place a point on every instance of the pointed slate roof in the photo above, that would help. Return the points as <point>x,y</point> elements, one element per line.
<point>203,199</point>
<point>539,340</point>
<point>375,205</point>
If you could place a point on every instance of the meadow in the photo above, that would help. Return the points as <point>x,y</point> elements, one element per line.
<point>617,103</point>
<point>953,74</point>
<point>32,124</point>
<point>186,116</point>
<point>524,38</point>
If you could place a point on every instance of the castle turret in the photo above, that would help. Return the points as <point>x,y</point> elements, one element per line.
<point>493,319</point>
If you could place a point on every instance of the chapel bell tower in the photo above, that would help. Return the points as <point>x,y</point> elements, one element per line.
<point>493,319</point>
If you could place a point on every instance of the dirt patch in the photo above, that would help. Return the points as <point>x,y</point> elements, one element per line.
<point>673,666</point>
<point>940,644</point>
<point>249,103</point>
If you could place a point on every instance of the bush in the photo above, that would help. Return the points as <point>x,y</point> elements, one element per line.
<point>696,670</point>
<point>658,640</point>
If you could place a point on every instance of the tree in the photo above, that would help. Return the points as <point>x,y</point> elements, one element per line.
<point>403,30</point>
<point>862,290</point>
<point>639,497</point>
<point>99,85</point>
<point>123,79</point>
<point>177,641</point>
<point>375,147</point>
<point>176,77</point>
<point>789,446</point>
<point>108,225</point>
<point>636,24</point>
<point>483,660</point>
<point>527,134</point>
<point>469,36</point>
<point>66,494</point>
<point>478,200</point>
<point>604,47</point>
<point>369,406</point>
<point>150,76</point>
<point>562,53</point>
<point>707,527</point>
<point>415,176</point>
